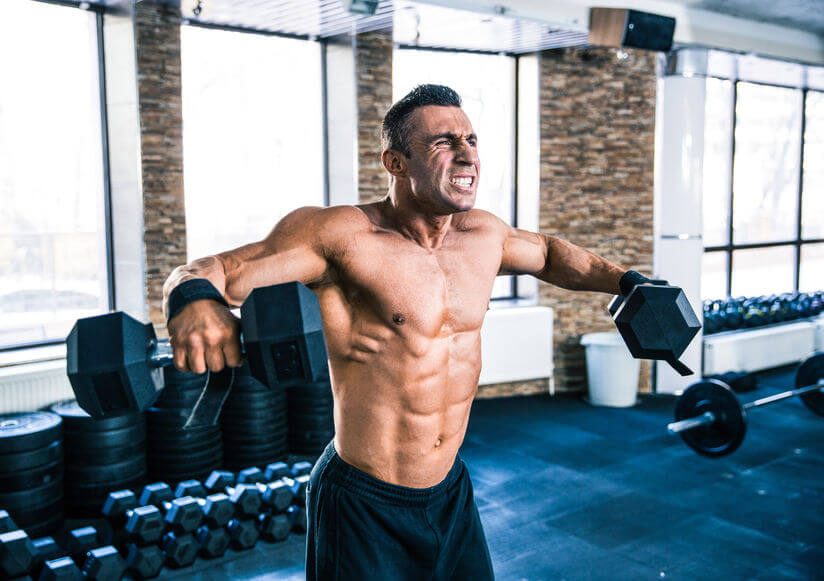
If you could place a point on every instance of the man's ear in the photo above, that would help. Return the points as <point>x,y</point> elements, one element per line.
<point>394,162</point>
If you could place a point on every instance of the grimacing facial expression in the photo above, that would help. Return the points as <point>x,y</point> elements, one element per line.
<point>444,167</point>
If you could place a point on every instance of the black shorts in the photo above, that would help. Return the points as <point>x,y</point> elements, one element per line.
<point>360,527</point>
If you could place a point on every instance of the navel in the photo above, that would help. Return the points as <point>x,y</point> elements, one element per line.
<point>437,443</point>
<point>398,319</point>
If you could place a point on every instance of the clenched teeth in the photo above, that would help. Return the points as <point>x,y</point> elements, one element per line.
<point>463,182</point>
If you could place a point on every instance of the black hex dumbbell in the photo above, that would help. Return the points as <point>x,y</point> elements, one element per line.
<point>297,516</point>
<point>142,525</point>
<point>278,495</point>
<point>252,475</point>
<point>213,541</point>
<point>217,508</point>
<point>46,549</point>
<point>276,471</point>
<point>62,568</point>
<point>243,534</point>
<point>219,480</point>
<point>247,499</point>
<point>7,524</point>
<point>300,469</point>
<point>274,527</point>
<point>299,484</point>
<point>103,564</point>
<point>17,553</point>
<point>144,562</point>
<point>180,549</point>
<point>182,515</point>
<point>80,541</point>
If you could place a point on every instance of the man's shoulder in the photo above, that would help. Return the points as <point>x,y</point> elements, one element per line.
<point>477,219</point>
<point>335,218</point>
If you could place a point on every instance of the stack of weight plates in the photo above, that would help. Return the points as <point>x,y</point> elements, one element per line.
<point>101,456</point>
<point>31,471</point>
<point>175,453</point>
<point>311,424</point>
<point>254,423</point>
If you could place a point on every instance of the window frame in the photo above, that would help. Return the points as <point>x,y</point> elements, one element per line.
<point>798,241</point>
<point>98,11</point>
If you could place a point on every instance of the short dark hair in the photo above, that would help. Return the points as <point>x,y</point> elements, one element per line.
<point>396,128</point>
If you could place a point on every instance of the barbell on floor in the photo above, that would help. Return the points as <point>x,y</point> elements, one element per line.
<point>711,420</point>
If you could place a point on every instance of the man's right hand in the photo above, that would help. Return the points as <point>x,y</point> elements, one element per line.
<point>205,335</point>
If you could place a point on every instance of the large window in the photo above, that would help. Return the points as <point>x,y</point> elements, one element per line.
<point>489,101</point>
<point>763,185</point>
<point>53,254</point>
<point>252,134</point>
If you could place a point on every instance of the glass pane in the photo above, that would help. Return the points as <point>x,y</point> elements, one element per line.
<point>252,134</point>
<point>53,266</point>
<point>812,268</point>
<point>767,153</point>
<point>812,207</point>
<point>762,271</point>
<point>717,162</point>
<point>489,101</point>
<point>714,275</point>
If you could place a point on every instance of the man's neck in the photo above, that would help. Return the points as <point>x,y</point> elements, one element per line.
<point>426,229</point>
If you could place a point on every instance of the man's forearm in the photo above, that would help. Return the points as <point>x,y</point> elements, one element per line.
<point>210,268</point>
<point>574,268</point>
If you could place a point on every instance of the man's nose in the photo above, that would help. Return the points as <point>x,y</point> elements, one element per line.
<point>465,152</point>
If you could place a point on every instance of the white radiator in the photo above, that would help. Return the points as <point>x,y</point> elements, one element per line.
<point>32,386</point>
<point>516,345</point>
<point>757,349</point>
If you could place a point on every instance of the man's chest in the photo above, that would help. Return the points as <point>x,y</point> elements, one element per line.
<point>445,290</point>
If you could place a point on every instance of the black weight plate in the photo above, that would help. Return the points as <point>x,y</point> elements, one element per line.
<point>260,411</point>
<point>254,448</point>
<point>112,455</point>
<point>33,496</point>
<point>45,528</point>
<point>255,397</point>
<point>31,458</point>
<point>809,372</point>
<point>298,418</point>
<point>178,472</point>
<point>236,424</point>
<point>34,515</point>
<point>241,461</point>
<point>75,418</point>
<point>177,400</point>
<point>31,477</point>
<point>310,395</point>
<point>28,431</point>
<point>254,430</point>
<point>87,492</point>
<point>251,442</point>
<point>172,457</point>
<point>181,439</point>
<point>723,436</point>
<point>105,473</point>
<point>87,441</point>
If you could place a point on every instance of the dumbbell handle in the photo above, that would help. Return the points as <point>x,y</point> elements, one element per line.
<point>784,395</point>
<point>704,419</point>
<point>708,418</point>
<point>161,355</point>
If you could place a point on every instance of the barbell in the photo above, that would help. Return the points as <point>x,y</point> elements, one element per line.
<point>711,420</point>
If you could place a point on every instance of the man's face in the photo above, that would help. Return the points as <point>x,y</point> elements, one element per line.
<point>443,166</point>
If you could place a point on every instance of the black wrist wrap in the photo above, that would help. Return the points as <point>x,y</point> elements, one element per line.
<point>192,290</point>
<point>629,281</point>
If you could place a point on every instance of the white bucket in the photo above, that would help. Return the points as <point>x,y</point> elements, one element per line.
<point>611,370</point>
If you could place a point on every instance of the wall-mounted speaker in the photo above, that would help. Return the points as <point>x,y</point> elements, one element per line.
<point>630,28</point>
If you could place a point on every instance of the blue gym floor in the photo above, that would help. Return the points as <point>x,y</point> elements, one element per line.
<point>570,491</point>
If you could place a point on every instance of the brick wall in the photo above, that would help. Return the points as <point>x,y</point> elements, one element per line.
<point>597,140</point>
<point>157,39</point>
<point>373,69</point>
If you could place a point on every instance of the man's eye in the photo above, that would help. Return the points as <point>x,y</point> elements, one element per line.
<point>442,142</point>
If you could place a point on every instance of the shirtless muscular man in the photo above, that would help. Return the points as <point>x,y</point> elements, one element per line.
<point>403,285</point>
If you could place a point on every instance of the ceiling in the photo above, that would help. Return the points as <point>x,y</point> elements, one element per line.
<point>437,24</point>
<point>807,15</point>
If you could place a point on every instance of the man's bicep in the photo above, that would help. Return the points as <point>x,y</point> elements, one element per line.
<point>290,252</point>
<point>524,253</point>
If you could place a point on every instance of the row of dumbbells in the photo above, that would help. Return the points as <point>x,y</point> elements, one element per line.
<point>165,527</point>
